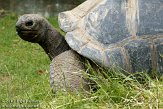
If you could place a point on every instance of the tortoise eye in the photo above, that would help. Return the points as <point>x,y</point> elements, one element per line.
<point>29,23</point>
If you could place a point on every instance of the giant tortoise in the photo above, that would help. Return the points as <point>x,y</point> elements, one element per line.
<point>120,34</point>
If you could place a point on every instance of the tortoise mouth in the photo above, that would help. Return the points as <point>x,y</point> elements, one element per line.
<point>28,35</point>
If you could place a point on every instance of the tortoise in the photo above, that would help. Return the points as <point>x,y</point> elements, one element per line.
<point>66,67</point>
<point>120,34</point>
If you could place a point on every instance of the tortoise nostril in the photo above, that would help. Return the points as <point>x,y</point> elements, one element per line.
<point>29,23</point>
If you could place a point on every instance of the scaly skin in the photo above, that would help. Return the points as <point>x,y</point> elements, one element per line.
<point>66,66</point>
<point>36,29</point>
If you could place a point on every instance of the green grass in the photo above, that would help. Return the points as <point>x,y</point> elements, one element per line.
<point>24,75</point>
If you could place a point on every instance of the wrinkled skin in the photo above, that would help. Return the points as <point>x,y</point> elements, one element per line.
<point>31,28</point>
<point>66,67</point>
<point>34,28</point>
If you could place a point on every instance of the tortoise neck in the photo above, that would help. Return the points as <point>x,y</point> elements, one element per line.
<point>53,43</point>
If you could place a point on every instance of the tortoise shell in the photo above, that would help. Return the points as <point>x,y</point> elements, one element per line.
<point>126,34</point>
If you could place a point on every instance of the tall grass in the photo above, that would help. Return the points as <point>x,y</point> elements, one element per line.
<point>24,75</point>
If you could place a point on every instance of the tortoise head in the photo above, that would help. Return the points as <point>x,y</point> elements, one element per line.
<point>31,27</point>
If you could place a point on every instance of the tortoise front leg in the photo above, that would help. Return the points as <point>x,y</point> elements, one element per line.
<point>66,73</point>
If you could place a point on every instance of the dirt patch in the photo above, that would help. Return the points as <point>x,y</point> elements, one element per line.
<point>41,72</point>
<point>5,78</point>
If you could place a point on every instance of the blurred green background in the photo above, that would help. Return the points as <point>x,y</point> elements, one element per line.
<point>45,7</point>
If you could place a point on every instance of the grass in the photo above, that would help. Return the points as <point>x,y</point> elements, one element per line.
<point>24,75</point>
